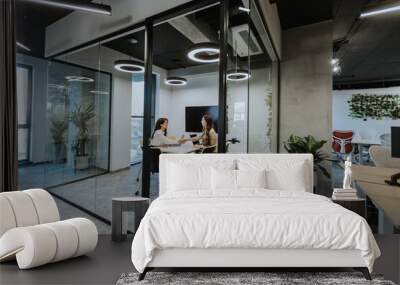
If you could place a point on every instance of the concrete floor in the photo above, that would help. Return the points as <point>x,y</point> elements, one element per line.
<point>44,175</point>
<point>95,194</point>
<point>103,266</point>
<point>110,259</point>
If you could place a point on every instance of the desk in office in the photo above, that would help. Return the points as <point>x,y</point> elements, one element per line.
<point>180,149</point>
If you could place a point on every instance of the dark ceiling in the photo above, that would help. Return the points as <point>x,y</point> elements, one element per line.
<point>296,13</point>
<point>171,46</point>
<point>32,20</point>
<point>368,48</point>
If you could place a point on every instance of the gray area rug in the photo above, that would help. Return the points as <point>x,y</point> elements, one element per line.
<point>236,278</point>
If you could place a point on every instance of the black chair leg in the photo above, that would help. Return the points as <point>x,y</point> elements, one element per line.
<point>142,275</point>
<point>364,271</point>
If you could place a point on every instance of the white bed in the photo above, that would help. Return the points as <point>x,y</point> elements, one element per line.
<point>197,224</point>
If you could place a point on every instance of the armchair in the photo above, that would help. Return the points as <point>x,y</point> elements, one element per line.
<point>31,231</point>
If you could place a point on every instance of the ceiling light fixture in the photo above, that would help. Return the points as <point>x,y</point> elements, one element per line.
<point>76,5</point>
<point>98,92</point>
<point>130,66</point>
<point>238,75</point>
<point>336,69</point>
<point>56,86</point>
<point>23,46</point>
<point>334,61</point>
<point>133,40</point>
<point>176,81</point>
<point>244,9</point>
<point>381,9</point>
<point>204,53</point>
<point>75,78</point>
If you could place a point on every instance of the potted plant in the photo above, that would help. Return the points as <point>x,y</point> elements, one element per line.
<point>81,117</point>
<point>58,127</point>
<point>308,144</point>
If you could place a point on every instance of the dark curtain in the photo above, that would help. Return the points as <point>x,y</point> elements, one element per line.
<point>8,98</point>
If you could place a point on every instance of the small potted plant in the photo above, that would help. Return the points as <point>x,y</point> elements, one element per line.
<point>81,117</point>
<point>58,127</point>
<point>308,144</point>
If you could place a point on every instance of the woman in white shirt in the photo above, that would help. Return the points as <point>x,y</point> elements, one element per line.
<point>159,136</point>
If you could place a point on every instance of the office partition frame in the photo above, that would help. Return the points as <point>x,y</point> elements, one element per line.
<point>149,24</point>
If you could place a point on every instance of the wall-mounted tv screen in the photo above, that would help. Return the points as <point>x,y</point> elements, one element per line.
<point>193,117</point>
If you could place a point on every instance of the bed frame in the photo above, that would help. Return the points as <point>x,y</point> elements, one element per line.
<point>246,259</point>
<point>260,259</point>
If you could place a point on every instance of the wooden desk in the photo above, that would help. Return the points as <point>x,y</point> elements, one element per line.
<point>372,182</point>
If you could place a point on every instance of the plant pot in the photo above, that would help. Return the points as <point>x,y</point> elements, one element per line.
<point>81,162</point>
<point>60,153</point>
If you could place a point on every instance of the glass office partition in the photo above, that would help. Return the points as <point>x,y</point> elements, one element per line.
<point>251,83</point>
<point>64,122</point>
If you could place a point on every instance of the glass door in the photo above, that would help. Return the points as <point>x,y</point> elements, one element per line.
<point>251,83</point>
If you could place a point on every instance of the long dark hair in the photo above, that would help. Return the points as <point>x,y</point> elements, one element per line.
<point>157,127</point>
<point>207,129</point>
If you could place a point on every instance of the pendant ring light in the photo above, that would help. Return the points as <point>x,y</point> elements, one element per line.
<point>238,75</point>
<point>204,53</point>
<point>130,66</point>
<point>175,81</point>
<point>72,78</point>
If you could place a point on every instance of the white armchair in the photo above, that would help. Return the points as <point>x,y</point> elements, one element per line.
<point>31,231</point>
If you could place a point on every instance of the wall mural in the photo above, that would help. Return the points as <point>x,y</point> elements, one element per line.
<point>378,107</point>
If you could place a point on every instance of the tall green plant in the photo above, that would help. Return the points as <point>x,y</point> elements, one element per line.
<point>58,127</point>
<point>81,117</point>
<point>308,144</point>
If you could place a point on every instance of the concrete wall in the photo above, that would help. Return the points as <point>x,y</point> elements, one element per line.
<point>368,129</point>
<point>80,27</point>
<point>271,17</point>
<point>306,82</point>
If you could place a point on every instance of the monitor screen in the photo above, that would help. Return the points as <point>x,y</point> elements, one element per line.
<point>194,114</point>
<point>395,141</point>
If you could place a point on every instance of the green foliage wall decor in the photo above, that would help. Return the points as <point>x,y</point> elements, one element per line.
<point>378,107</point>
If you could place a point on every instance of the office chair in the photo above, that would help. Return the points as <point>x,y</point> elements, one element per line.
<point>341,142</point>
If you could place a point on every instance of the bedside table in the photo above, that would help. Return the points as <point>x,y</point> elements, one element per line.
<point>356,205</point>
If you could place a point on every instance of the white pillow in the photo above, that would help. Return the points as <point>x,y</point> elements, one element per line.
<point>281,174</point>
<point>223,179</point>
<point>251,178</point>
<point>189,175</point>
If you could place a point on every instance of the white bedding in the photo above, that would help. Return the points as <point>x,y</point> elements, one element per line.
<point>251,218</point>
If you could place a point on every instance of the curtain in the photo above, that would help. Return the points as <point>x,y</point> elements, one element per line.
<point>8,99</point>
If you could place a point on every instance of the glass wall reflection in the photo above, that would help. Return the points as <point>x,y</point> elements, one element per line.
<point>64,122</point>
<point>251,83</point>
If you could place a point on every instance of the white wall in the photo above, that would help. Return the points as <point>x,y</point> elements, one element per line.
<point>369,128</point>
<point>80,27</point>
<point>201,90</point>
